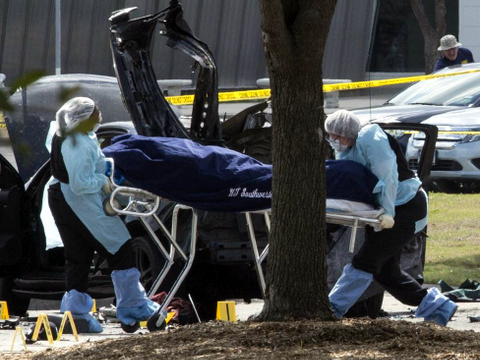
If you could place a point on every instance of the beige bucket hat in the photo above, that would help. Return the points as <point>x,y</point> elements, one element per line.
<point>448,42</point>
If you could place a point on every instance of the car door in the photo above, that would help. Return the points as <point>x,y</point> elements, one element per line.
<point>402,130</point>
<point>11,207</point>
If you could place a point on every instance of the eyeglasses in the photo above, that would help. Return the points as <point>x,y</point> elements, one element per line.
<point>334,137</point>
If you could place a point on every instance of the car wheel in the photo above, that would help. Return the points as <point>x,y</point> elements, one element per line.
<point>16,305</point>
<point>148,260</point>
<point>445,186</point>
<point>469,187</point>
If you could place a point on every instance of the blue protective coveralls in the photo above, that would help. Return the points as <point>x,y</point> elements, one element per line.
<point>379,256</point>
<point>77,207</point>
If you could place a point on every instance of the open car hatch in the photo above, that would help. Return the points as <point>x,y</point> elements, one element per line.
<point>150,112</point>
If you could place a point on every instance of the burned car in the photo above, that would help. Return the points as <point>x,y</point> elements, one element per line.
<point>31,263</point>
<point>31,267</point>
<point>224,266</point>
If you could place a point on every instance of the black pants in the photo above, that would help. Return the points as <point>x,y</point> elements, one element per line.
<point>380,254</point>
<point>80,245</point>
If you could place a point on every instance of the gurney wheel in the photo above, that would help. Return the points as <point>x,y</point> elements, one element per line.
<point>152,322</point>
<point>129,329</point>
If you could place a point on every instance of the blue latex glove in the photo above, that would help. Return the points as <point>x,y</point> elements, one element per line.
<point>117,177</point>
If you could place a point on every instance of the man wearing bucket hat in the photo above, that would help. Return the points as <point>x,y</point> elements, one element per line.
<point>452,53</point>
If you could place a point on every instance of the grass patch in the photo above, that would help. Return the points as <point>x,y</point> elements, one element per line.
<point>453,245</point>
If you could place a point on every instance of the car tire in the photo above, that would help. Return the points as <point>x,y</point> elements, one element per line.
<point>445,186</point>
<point>148,260</point>
<point>16,305</point>
<point>470,187</point>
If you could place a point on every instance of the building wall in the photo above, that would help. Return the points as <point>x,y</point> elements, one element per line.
<point>231,28</point>
<point>27,37</point>
<point>349,40</point>
<point>469,26</point>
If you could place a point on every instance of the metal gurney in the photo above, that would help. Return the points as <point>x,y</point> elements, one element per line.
<point>144,205</point>
<point>135,200</point>
<point>132,201</point>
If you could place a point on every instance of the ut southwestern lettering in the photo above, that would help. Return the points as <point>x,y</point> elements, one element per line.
<point>242,192</point>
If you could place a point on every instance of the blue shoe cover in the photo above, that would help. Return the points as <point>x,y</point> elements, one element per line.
<point>348,288</point>
<point>130,315</point>
<point>436,307</point>
<point>443,314</point>
<point>132,302</point>
<point>76,302</point>
<point>338,313</point>
<point>80,304</point>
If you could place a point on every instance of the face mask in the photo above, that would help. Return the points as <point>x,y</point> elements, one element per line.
<point>337,146</point>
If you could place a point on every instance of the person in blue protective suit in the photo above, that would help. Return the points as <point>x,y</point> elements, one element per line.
<point>75,197</point>
<point>452,53</point>
<point>405,205</point>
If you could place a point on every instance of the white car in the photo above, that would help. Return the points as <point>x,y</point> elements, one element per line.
<point>451,103</point>
<point>456,163</point>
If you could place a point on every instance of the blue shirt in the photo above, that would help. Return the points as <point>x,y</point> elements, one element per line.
<point>464,56</point>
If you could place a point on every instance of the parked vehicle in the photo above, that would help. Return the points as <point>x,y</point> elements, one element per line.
<point>430,97</point>
<point>450,103</point>
<point>456,164</point>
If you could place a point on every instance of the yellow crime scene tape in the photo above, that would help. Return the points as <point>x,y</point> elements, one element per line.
<point>413,132</point>
<point>460,132</point>
<point>2,120</point>
<point>261,94</point>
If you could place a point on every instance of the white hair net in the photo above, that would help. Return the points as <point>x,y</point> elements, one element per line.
<point>343,123</point>
<point>74,112</point>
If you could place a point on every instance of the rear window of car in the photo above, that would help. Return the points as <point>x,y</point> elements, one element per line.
<point>458,90</point>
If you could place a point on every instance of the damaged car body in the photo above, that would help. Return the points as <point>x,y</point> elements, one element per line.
<point>224,267</point>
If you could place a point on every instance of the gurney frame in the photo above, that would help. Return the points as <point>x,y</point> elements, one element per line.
<point>132,201</point>
<point>352,221</point>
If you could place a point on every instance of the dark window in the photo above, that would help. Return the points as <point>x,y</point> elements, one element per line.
<point>398,40</point>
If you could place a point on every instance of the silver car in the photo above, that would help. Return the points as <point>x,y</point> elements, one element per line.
<point>451,103</point>
<point>456,163</point>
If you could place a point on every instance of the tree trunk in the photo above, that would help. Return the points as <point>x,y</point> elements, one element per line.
<point>295,34</point>
<point>431,34</point>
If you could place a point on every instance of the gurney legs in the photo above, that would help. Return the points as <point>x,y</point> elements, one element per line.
<point>259,258</point>
<point>167,255</point>
<point>172,238</point>
<point>345,220</point>
<point>157,320</point>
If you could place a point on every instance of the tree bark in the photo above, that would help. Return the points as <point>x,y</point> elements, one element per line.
<point>431,34</point>
<point>295,34</point>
